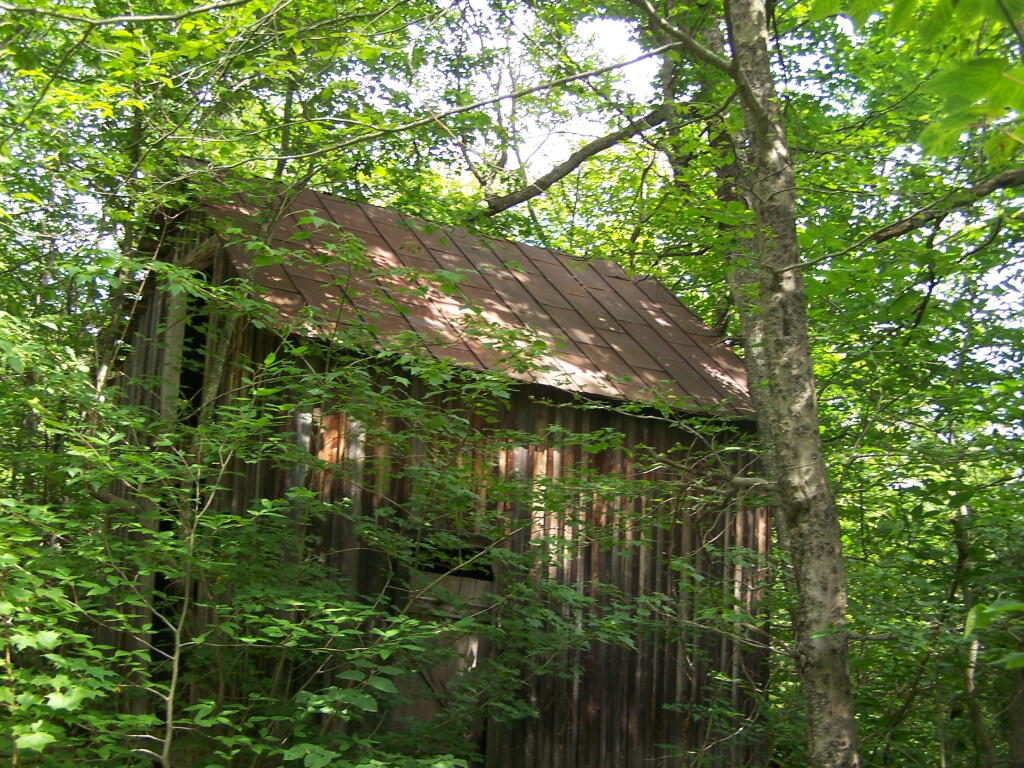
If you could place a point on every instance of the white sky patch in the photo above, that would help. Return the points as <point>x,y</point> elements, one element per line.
<point>612,38</point>
<point>847,28</point>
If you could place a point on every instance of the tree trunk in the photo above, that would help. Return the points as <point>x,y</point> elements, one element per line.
<point>770,296</point>
<point>1015,719</point>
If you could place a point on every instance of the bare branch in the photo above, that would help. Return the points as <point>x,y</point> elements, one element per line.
<point>701,52</point>
<point>498,203</point>
<point>993,232</point>
<point>144,751</point>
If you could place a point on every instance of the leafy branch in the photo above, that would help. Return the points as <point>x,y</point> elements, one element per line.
<point>955,201</point>
<point>959,200</point>
<point>130,19</point>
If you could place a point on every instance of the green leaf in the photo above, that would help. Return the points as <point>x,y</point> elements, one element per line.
<point>69,699</point>
<point>939,139</point>
<point>15,363</point>
<point>351,674</point>
<point>822,9</point>
<point>938,21</point>
<point>957,500</point>
<point>45,639</point>
<point>967,11</point>
<point>382,684</point>
<point>357,699</point>
<point>312,755</point>
<point>1002,606</point>
<point>859,11</point>
<point>901,17</point>
<point>35,741</point>
<point>1013,660</point>
<point>295,752</point>
<point>981,615</point>
<point>964,83</point>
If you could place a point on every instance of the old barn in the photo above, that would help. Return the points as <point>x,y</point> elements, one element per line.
<point>597,355</point>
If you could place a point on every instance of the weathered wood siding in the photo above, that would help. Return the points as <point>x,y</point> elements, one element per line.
<point>627,706</point>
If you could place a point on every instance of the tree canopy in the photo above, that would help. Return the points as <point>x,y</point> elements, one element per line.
<point>902,133</point>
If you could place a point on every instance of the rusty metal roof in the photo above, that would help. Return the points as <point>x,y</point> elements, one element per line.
<point>602,331</point>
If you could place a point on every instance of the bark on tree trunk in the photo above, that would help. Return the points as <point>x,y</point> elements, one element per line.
<point>771,299</point>
<point>1015,719</point>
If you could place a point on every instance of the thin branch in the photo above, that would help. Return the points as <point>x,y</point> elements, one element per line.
<point>1013,24</point>
<point>993,233</point>
<point>233,138</point>
<point>115,501</point>
<point>498,203</point>
<point>964,199</point>
<point>144,751</point>
<point>110,20</point>
<point>752,482</point>
<point>956,201</point>
<point>702,53</point>
<point>689,42</point>
<point>244,37</point>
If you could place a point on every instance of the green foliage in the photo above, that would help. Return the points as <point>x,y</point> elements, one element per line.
<point>917,342</point>
<point>153,612</point>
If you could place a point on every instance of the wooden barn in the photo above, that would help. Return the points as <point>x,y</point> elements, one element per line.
<point>596,355</point>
